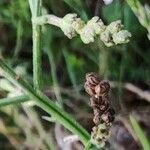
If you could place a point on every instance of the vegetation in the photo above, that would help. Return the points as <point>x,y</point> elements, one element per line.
<point>43,69</point>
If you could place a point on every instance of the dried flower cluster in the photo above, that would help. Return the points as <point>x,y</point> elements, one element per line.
<point>99,101</point>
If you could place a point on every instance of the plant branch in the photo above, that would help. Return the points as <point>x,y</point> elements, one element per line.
<point>35,6</point>
<point>46,104</point>
<point>71,25</point>
<point>48,19</point>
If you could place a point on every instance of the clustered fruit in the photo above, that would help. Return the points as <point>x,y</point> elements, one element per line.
<point>103,112</point>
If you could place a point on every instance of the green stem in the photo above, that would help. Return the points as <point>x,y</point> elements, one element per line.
<point>35,7</point>
<point>103,57</point>
<point>36,57</point>
<point>54,77</point>
<point>48,19</point>
<point>18,40</point>
<point>46,104</point>
<point>13,100</point>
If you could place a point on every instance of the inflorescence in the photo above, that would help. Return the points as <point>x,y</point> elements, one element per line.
<point>103,112</point>
<point>72,25</point>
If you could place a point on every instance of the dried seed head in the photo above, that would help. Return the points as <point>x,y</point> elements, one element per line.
<point>108,116</point>
<point>99,103</point>
<point>92,79</point>
<point>96,118</point>
<point>96,102</point>
<point>103,113</point>
<point>102,88</point>
<point>89,89</point>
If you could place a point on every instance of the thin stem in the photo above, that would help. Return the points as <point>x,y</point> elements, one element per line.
<point>48,19</point>
<point>54,77</point>
<point>103,60</point>
<point>71,71</point>
<point>35,7</point>
<point>46,104</point>
<point>19,39</point>
<point>13,100</point>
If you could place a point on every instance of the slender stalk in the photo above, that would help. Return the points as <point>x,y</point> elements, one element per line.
<point>19,39</point>
<point>35,6</point>
<point>71,71</point>
<point>13,100</point>
<point>46,104</point>
<point>54,77</point>
<point>103,60</point>
<point>48,19</point>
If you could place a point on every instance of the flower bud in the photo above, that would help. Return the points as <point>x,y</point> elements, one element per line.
<point>78,24</point>
<point>121,37</point>
<point>97,24</point>
<point>100,134</point>
<point>66,25</point>
<point>93,27</point>
<point>115,26</point>
<point>87,34</point>
<point>106,37</point>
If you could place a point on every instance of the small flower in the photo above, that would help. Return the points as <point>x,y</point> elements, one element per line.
<point>115,26</point>
<point>106,37</point>
<point>66,25</point>
<point>121,37</point>
<point>93,27</point>
<point>87,34</point>
<point>100,134</point>
<point>78,25</point>
<point>97,24</point>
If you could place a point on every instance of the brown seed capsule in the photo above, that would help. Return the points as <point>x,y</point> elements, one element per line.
<point>97,117</point>
<point>105,118</point>
<point>102,88</point>
<point>108,116</point>
<point>90,90</point>
<point>95,102</point>
<point>92,80</point>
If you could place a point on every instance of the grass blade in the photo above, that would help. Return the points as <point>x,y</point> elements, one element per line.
<point>46,104</point>
<point>140,133</point>
<point>13,100</point>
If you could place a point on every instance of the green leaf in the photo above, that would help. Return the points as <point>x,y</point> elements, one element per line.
<point>140,133</point>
